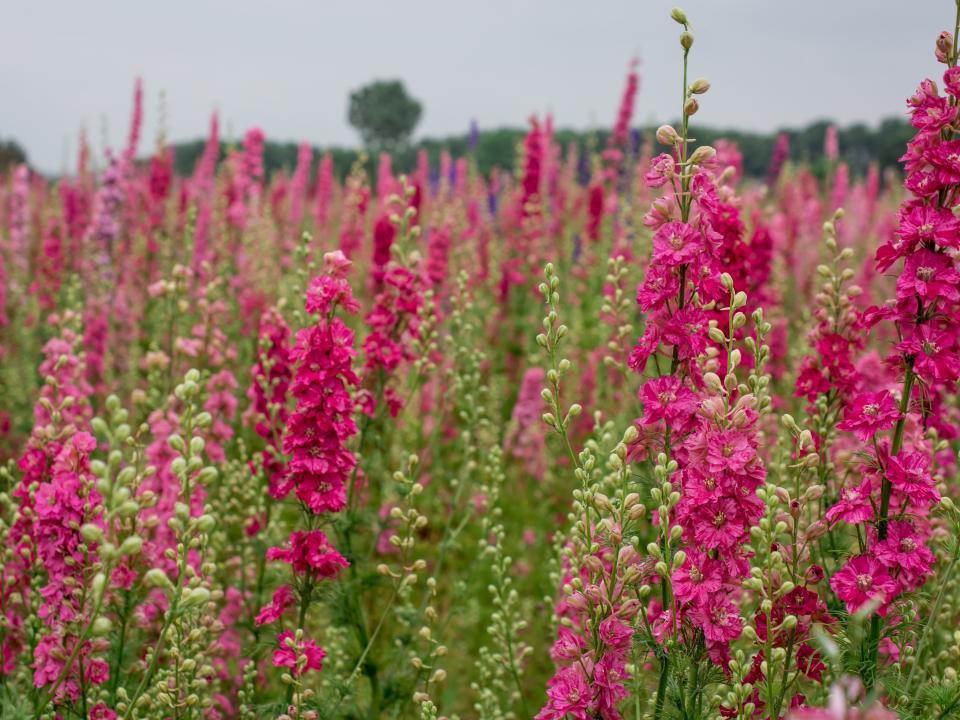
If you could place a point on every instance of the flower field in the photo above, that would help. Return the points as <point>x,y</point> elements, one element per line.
<point>615,433</point>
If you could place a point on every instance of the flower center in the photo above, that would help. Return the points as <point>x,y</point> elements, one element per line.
<point>930,348</point>
<point>727,450</point>
<point>667,397</point>
<point>677,242</point>
<point>719,519</point>
<point>864,582</point>
<point>926,229</point>
<point>871,410</point>
<point>924,273</point>
<point>695,575</point>
<point>908,545</point>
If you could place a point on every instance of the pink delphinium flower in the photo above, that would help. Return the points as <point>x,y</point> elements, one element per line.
<point>525,438</point>
<point>324,192</point>
<point>905,555</point>
<point>384,234</point>
<point>676,244</point>
<point>221,403</point>
<point>310,553</point>
<point>63,505</point>
<point>665,398</point>
<point>779,158</point>
<point>101,711</point>
<point>568,696</point>
<point>298,186</point>
<point>287,656</point>
<point>863,579</point>
<point>869,414</point>
<point>269,387</point>
<point>393,322</point>
<point>136,124</point>
<point>621,129</point>
<point>19,217</point>
<point>854,505</point>
<point>831,144</point>
<point>532,161</point>
<point>320,465</point>
<point>283,598</point>
<point>438,256</point>
<point>909,474</point>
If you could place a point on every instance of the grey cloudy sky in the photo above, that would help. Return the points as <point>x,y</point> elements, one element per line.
<point>289,65</point>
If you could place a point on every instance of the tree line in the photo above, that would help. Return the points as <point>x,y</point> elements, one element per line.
<point>860,146</point>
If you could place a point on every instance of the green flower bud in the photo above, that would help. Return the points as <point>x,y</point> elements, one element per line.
<point>157,578</point>
<point>194,598</point>
<point>132,545</point>
<point>92,533</point>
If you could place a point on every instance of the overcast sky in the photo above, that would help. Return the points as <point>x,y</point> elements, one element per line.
<point>289,65</point>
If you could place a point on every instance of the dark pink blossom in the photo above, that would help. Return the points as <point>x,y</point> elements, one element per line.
<point>869,414</point>
<point>909,473</point>
<point>283,599</point>
<point>676,243</point>
<point>905,554</point>
<point>928,276</point>
<point>568,696</point>
<point>934,353</point>
<point>854,505</point>
<point>286,656</point>
<point>863,579</point>
<point>310,553</point>
<point>665,398</point>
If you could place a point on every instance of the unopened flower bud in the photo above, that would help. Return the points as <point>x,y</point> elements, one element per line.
<point>699,86</point>
<point>810,460</point>
<point>666,135</point>
<point>944,48</point>
<point>195,597</point>
<point>679,16</point>
<point>155,577</point>
<point>816,529</point>
<point>703,154</point>
<point>712,381</point>
<point>102,626</point>
<point>602,502</point>
<point>594,563</point>
<point>92,533</point>
<point>686,40</point>
<point>789,622</point>
<point>99,582</point>
<point>132,545</point>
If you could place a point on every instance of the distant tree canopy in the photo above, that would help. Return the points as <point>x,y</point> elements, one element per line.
<point>384,115</point>
<point>11,154</point>
<point>860,146</point>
